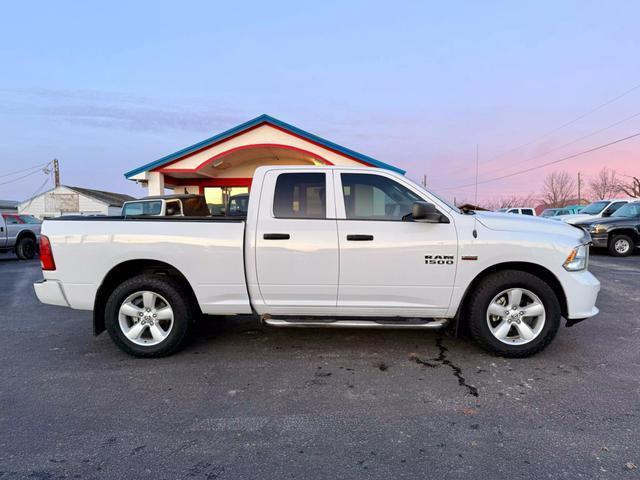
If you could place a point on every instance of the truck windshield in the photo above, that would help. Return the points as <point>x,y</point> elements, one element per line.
<point>142,208</point>
<point>628,210</point>
<point>594,208</point>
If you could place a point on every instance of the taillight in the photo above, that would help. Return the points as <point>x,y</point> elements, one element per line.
<point>46,255</point>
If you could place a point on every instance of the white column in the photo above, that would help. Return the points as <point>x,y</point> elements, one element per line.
<point>156,183</point>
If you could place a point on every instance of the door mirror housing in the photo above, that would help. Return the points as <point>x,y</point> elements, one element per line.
<point>427,213</point>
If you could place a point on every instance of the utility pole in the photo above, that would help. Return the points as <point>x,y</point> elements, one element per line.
<point>56,172</point>
<point>579,189</point>
<point>424,180</point>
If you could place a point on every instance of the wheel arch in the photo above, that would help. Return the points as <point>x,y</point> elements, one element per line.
<point>129,269</point>
<point>26,234</point>
<point>631,232</point>
<point>531,268</point>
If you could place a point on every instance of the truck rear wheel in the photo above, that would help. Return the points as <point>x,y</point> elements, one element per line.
<point>26,248</point>
<point>513,314</point>
<point>149,315</point>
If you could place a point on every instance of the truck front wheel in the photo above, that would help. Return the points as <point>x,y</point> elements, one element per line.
<point>621,246</point>
<point>149,315</point>
<point>513,314</point>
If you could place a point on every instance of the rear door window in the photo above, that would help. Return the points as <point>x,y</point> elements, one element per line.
<point>527,211</point>
<point>11,219</point>
<point>300,195</point>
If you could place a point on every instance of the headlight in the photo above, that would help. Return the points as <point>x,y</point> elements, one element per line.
<point>598,229</point>
<point>577,259</point>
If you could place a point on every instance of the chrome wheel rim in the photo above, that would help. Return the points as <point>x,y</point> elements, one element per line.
<point>145,318</point>
<point>516,316</point>
<point>621,246</point>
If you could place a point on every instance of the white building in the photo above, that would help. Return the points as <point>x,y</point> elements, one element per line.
<point>223,165</point>
<point>65,200</point>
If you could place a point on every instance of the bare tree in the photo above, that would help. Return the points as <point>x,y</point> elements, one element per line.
<point>529,200</point>
<point>605,184</point>
<point>559,188</point>
<point>630,187</point>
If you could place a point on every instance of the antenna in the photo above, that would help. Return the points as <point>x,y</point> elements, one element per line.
<point>476,187</point>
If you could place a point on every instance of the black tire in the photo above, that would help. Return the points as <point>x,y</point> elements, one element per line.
<point>620,238</point>
<point>494,284</point>
<point>26,248</point>
<point>184,314</point>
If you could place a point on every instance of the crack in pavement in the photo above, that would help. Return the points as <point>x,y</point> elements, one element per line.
<point>442,359</point>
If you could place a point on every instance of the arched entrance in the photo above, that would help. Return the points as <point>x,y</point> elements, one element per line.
<point>229,173</point>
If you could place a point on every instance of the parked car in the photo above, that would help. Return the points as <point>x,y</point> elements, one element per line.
<point>620,233</point>
<point>324,247</point>
<point>593,211</point>
<point>518,210</point>
<point>19,233</point>
<point>180,205</point>
<point>568,210</point>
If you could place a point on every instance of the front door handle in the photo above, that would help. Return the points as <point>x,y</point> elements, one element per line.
<point>276,236</point>
<point>359,238</point>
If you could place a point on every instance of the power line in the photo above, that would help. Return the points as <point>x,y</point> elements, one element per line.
<point>560,147</point>
<point>20,178</point>
<point>566,124</point>
<point>38,191</point>
<point>24,170</point>
<point>542,165</point>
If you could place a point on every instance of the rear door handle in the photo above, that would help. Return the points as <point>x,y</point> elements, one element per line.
<point>359,238</point>
<point>276,236</point>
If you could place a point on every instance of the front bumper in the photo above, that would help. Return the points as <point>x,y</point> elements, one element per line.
<point>600,240</point>
<point>581,290</point>
<point>50,292</point>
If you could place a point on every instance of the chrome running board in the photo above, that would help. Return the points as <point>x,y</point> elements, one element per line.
<point>430,324</point>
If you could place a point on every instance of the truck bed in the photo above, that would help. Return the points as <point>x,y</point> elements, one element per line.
<point>209,252</point>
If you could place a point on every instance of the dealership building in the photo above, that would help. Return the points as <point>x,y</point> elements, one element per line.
<point>223,165</point>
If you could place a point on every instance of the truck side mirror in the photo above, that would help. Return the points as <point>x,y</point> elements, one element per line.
<point>427,213</point>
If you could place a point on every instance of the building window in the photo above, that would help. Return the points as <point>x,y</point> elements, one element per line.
<point>300,195</point>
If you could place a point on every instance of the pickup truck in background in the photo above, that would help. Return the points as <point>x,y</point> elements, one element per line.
<point>619,233</point>
<point>324,247</point>
<point>518,210</point>
<point>19,233</point>
<point>179,205</point>
<point>594,211</point>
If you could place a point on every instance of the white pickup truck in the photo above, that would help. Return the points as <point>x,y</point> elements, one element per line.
<point>323,247</point>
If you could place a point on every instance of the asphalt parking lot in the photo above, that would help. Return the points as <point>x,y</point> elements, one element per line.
<point>244,401</point>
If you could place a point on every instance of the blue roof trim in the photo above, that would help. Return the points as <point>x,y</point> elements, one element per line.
<point>252,123</point>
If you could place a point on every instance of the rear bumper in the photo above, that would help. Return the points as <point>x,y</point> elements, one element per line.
<point>50,292</point>
<point>581,290</point>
